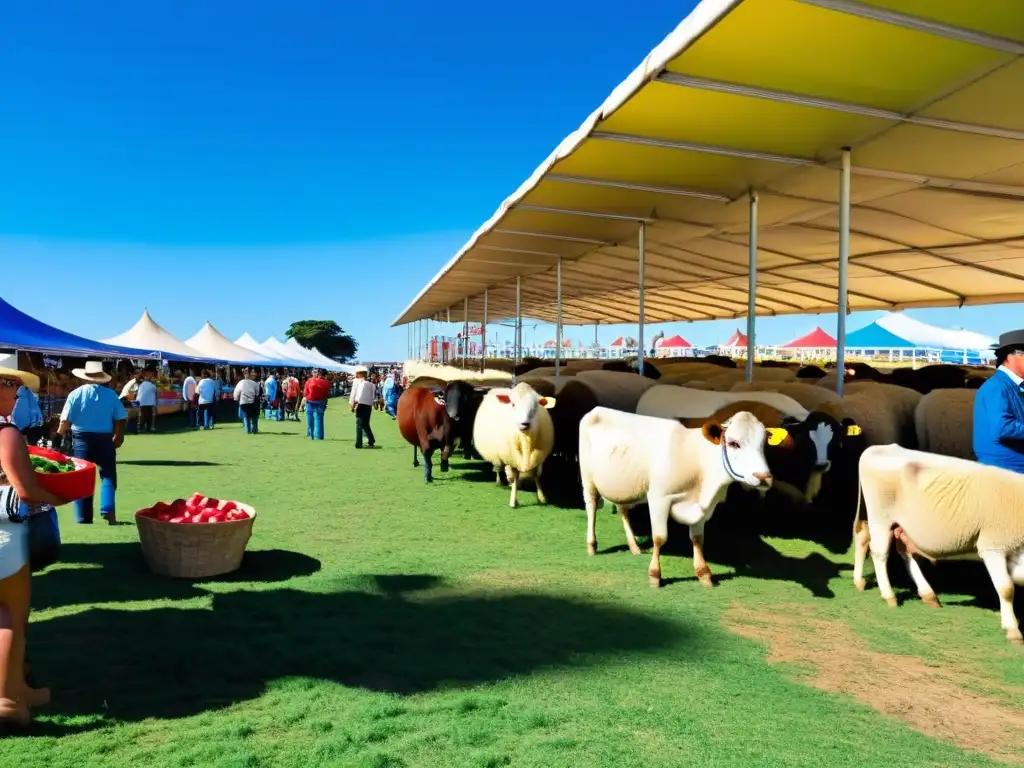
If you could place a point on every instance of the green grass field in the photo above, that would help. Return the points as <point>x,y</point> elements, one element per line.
<point>378,622</point>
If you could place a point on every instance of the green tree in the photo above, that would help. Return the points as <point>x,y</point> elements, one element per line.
<point>325,335</point>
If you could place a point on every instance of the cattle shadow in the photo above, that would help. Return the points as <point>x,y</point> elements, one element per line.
<point>956,583</point>
<point>166,463</point>
<point>733,540</point>
<point>119,574</point>
<point>171,663</point>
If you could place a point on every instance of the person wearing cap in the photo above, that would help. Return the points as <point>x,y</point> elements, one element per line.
<point>19,494</point>
<point>361,404</point>
<point>315,392</point>
<point>999,408</point>
<point>95,417</point>
<point>27,416</point>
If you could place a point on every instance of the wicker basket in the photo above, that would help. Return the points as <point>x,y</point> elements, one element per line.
<point>194,551</point>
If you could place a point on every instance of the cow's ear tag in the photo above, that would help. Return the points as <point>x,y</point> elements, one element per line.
<point>853,430</point>
<point>776,435</point>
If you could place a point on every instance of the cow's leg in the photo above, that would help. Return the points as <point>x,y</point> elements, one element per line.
<point>415,460</point>
<point>881,538</point>
<point>499,476</point>
<point>513,479</point>
<point>428,466</point>
<point>999,572</point>
<point>861,542</point>
<point>924,589</point>
<point>630,536</point>
<point>446,452</point>
<point>541,498</point>
<point>700,565</point>
<point>590,502</point>
<point>660,510</point>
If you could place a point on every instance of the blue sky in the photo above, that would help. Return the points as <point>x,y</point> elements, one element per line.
<point>254,163</point>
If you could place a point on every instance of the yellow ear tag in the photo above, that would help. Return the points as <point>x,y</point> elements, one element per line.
<point>776,435</point>
<point>853,430</point>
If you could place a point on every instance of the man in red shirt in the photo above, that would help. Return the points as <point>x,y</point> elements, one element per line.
<point>316,390</point>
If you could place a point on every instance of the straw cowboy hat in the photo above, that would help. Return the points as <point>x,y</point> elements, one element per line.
<point>361,369</point>
<point>1010,340</point>
<point>30,380</point>
<point>93,372</point>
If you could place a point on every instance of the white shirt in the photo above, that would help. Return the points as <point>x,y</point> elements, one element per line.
<point>188,389</point>
<point>1013,376</point>
<point>362,392</point>
<point>147,393</point>
<point>246,392</point>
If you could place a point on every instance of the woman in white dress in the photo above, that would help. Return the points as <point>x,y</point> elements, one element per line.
<point>17,484</point>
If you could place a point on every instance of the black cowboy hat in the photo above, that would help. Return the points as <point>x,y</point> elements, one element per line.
<point>1010,339</point>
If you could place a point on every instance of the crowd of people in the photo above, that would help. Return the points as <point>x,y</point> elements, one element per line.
<point>92,426</point>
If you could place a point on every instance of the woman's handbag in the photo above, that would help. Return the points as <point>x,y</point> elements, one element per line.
<point>43,539</point>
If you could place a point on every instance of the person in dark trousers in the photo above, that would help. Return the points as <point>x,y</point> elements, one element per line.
<point>361,404</point>
<point>95,419</point>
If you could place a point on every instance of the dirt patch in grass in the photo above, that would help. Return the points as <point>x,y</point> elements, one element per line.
<point>942,701</point>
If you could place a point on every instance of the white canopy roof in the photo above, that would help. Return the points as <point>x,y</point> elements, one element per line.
<point>932,336</point>
<point>247,341</point>
<point>318,358</point>
<point>766,96</point>
<point>215,344</point>
<point>273,344</point>
<point>148,334</point>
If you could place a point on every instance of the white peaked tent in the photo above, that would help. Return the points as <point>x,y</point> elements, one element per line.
<point>212,342</point>
<point>148,334</point>
<point>247,341</point>
<point>321,361</point>
<point>933,337</point>
<point>283,351</point>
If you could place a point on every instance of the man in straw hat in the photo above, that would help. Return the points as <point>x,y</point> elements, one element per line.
<point>95,417</point>
<point>361,403</point>
<point>999,407</point>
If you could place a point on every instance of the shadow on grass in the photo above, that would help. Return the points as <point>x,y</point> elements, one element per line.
<point>123,575</point>
<point>167,463</point>
<point>170,663</point>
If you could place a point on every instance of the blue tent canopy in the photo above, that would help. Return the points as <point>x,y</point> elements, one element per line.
<point>874,336</point>
<point>20,331</point>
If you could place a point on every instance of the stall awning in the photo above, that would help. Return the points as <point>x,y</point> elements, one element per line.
<point>764,95</point>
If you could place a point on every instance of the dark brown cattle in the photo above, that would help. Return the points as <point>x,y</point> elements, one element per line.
<point>424,423</point>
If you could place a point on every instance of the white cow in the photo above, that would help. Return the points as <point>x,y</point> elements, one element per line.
<point>942,507</point>
<point>673,402</point>
<point>682,472</point>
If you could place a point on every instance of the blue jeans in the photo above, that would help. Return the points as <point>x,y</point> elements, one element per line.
<point>206,411</point>
<point>315,418</point>
<point>193,415</point>
<point>250,416</point>
<point>98,448</point>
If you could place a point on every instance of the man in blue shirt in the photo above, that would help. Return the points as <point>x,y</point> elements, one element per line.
<point>95,417</point>
<point>999,408</point>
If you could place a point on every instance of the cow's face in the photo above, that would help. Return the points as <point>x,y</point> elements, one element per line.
<point>524,402</point>
<point>743,438</point>
<point>817,439</point>
<point>452,398</point>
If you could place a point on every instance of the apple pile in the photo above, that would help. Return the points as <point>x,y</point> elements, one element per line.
<point>196,509</point>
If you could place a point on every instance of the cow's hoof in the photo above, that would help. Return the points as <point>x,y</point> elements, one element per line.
<point>592,548</point>
<point>860,584</point>
<point>931,600</point>
<point>635,550</point>
<point>891,601</point>
<point>654,581</point>
<point>705,579</point>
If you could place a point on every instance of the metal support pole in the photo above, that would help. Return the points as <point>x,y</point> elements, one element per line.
<point>465,330</point>
<point>844,259</point>
<point>483,336</point>
<point>558,315</point>
<point>752,287</point>
<point>640,328</point>
<point>408,341</point>
<point>518,343</point>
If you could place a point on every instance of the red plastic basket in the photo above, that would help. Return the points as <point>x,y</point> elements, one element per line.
<point>68,485</point>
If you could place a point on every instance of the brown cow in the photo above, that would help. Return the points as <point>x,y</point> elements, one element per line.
<point>424,423</point>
